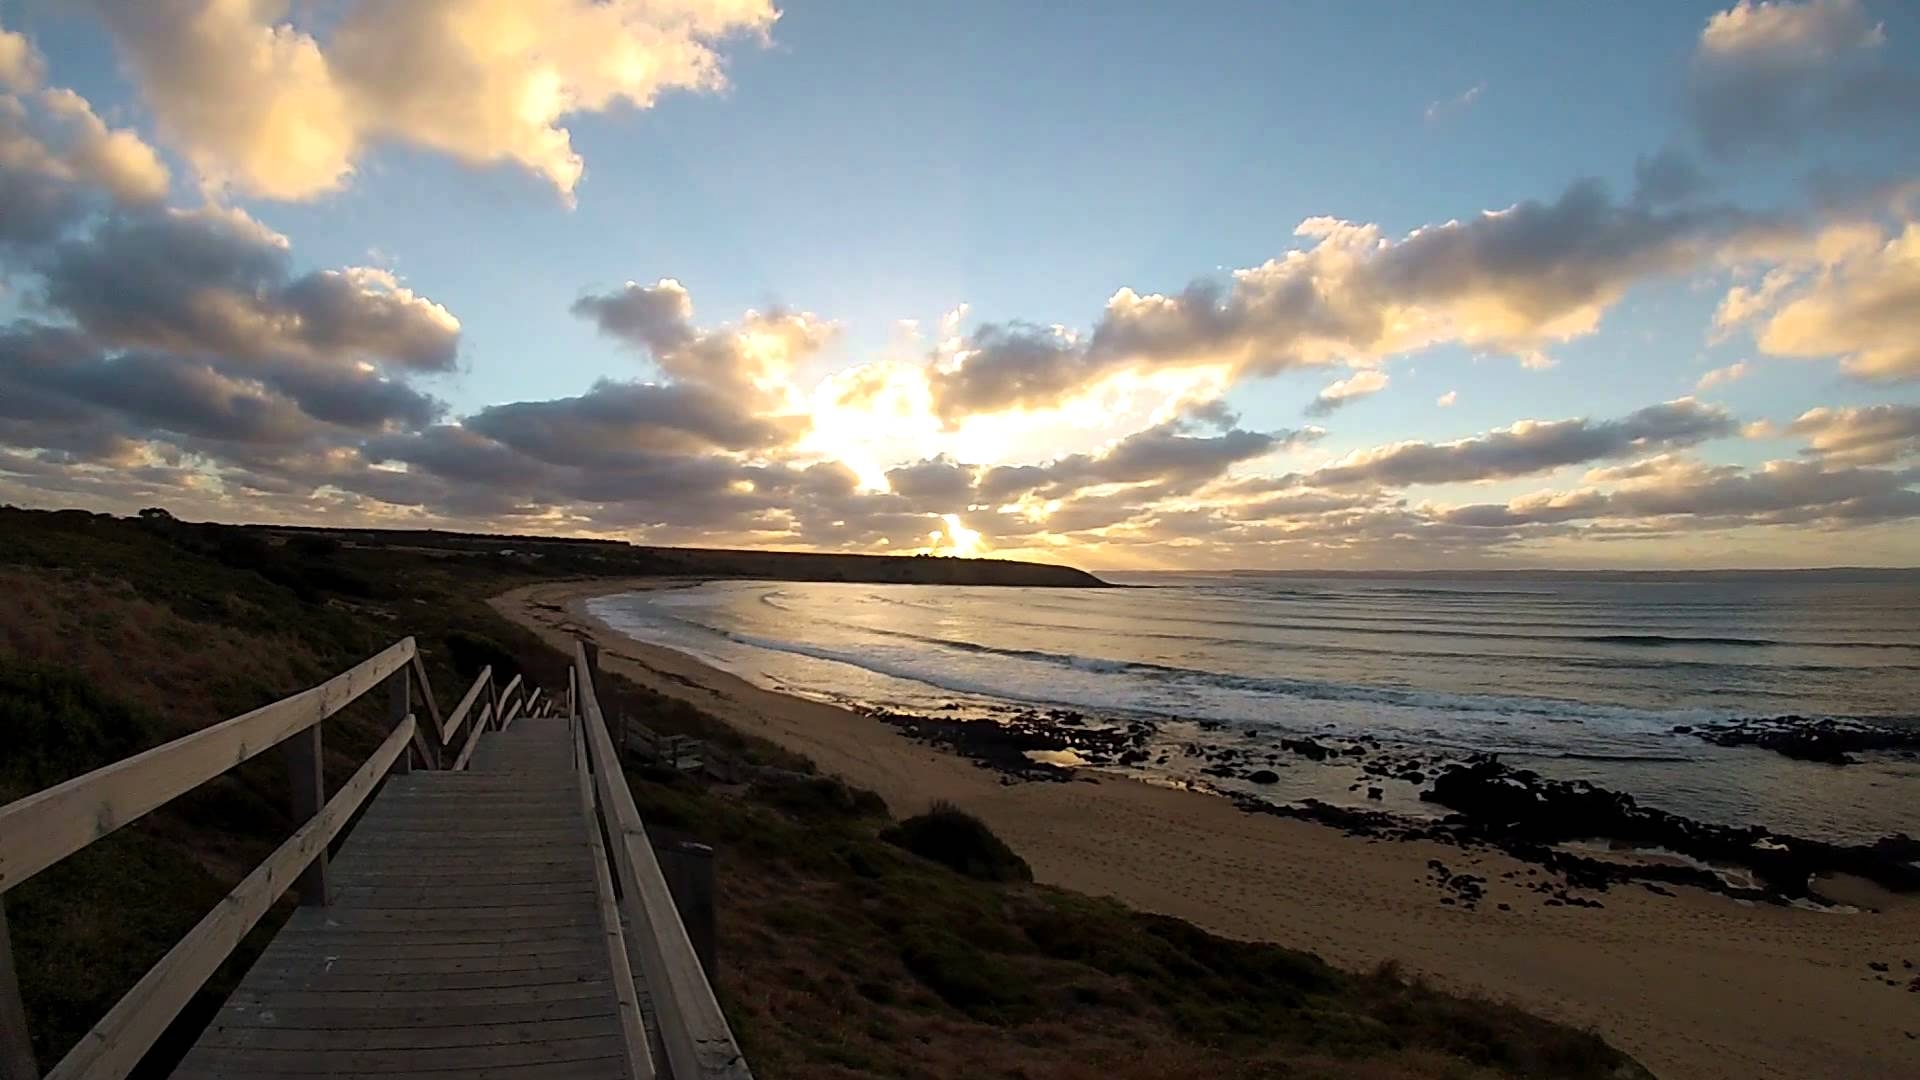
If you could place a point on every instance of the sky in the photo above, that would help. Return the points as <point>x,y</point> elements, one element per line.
<point>1228,285</point>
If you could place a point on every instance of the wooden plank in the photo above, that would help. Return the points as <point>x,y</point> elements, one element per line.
<point>600,992</point>
<point>227,1064</point>
<point>385,898</point>
<point>122,1037</point>
<point>459,712</point>
<point>42,829</point>
<point>16,1042</point>
<point>473,739</point>
<point>533,703</point>
<point>340,947</point>
<point>293,964</point>
<point>402,1018</point>
<point>633,1027</point>
<point>272,981</point>
<point>281,1036</point>
<point>323,937</point>
<point>698,1041</point>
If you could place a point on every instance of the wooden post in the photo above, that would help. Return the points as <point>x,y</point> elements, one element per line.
<point>400,703</point>
<point>688,868</point>
<point>309,786</point>
<point>16,1045</point>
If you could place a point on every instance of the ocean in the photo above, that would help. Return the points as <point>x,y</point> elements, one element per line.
<point>1577,676</point>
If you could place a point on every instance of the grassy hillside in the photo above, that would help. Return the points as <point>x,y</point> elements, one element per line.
<point>849,944</point>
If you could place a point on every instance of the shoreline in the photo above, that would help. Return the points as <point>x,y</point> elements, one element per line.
<point>1691,983</point>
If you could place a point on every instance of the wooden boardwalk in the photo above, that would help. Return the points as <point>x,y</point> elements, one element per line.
<point>464,937</point>
<point>496,911</point>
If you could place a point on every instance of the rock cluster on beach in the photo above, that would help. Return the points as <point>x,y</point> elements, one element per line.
<point>1487,802</point>
<point>1511,806</point>
<point>1829,740</point>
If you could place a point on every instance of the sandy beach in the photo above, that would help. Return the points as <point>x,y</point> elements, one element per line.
<point>1693,984</point>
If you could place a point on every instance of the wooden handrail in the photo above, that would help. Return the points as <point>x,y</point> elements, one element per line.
<point>473,738</point>
<point>117,1043</point>
<point>500,703</point>
<point>43,828</point>
<point>633,1026</point>
<point>426,689</point>
<point>512,713</point>
<point>693,1029</point>
<point>459,713</point>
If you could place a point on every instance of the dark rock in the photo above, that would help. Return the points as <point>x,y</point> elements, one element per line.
<point>1264,776</point>
<point>1875,965</point>
<point>1307,748</point>
<point>1374,793</point>
<point>1518,807</point>
<point>1828,740</point>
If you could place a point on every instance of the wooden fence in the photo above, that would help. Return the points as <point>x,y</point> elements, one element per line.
<point>693,1031</point>
<point>42,829</point>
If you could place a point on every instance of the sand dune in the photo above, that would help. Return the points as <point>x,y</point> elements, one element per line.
<point>1694,984</point>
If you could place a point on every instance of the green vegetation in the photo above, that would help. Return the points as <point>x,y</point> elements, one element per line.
<point>849,944</point>
<point>959,841</point>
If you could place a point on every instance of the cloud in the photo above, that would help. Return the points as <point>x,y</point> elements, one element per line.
<point>59,162</point>
<point>1720,376</point>
<point>1513,281</point>
<point>114,158</point>
<point>1726,496</point>
<point>1458,103</point>
<point>1528,447</point>
<point>1446,400</point>
<point>1869,435</point>
<point>264,106</point>
<point>613,422</point>
<point>1165,454</point>
<point>756,357</point>
<point>217,282</point>
<point>1338,395</point>
<point>21,67</point>
<point>1768,76</point>
<point>1865,310</point>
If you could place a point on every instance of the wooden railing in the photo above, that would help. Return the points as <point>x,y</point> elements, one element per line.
<point>693,1031</point>
<point>42,829</point>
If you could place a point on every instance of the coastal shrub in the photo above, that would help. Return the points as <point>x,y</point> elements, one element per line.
<point>469,653</point>
<point>959,841</point>
<point>970,979</point>
<point>54,726</point>
<point>813,797</point>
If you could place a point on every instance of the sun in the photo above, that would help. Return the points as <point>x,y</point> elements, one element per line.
<point>961,540</point>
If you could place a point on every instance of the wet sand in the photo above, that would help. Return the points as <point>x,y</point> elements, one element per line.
<point>1693,984</point>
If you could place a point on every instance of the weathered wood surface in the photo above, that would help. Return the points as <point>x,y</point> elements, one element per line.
<point>44,828</point>
<point>698,1041</point>
<point>465,938</point>
<point>633,1025</point>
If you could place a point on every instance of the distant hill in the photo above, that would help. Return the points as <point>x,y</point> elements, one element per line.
<point>617,558</point>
